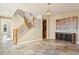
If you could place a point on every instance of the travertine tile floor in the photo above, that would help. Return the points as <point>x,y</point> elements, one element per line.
<point>49,47</point>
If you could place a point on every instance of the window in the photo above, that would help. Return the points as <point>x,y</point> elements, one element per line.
<point>5,28</point>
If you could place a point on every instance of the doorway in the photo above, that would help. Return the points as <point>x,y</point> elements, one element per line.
<point>44,28</point>
<point>5,30</point>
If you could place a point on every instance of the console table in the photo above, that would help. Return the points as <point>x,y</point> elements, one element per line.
<point>71,37</point>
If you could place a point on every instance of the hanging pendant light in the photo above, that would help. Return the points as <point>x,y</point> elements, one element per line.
<point>49,13</point>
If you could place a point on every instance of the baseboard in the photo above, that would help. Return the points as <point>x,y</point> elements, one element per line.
<point>51,38</point>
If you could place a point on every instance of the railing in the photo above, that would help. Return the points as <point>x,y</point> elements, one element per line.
<point>31,23</point>
<point>21,30</point>
<point>15,37</point>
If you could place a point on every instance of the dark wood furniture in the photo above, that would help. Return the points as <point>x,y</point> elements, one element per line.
<point>71,37</point>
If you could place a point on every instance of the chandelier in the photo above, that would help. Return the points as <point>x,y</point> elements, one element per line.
<point>49,12</point>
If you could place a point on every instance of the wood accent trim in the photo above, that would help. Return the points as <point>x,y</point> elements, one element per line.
<point>26,21</point>
<point>15,36</point>
<point>73,38</point>
<point>16,41</point>
<point>29,24</point>
<point>5,17</point>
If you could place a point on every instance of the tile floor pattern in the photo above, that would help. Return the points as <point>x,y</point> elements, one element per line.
<point>49,47</point>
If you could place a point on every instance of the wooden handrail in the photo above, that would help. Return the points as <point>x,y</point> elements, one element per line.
<point>30,24</point>
<point>15,36</point>
<point>26,24</point>
<point>18,29</point>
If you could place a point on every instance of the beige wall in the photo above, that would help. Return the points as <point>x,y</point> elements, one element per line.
<point>59,16</point>
<point>33,34</point>
<point>17,20</point>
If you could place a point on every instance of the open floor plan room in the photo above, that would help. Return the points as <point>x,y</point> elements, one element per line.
<point>39,28</point>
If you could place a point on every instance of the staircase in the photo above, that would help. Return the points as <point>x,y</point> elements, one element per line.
<point>22,29</point>
<point>26,20</point>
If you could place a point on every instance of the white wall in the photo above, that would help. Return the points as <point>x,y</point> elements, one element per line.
<point>33,34</point>
<point>17,20</point>
<point>59,16</point>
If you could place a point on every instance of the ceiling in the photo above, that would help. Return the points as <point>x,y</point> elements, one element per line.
<point>8,9</point>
